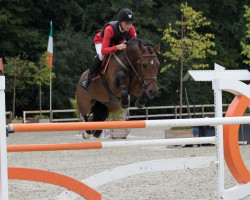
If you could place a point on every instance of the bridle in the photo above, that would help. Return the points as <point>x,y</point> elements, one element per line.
<point>139,76</point>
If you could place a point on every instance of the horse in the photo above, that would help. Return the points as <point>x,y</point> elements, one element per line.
<point>132,71</point>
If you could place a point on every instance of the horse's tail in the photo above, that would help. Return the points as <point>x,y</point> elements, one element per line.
<point>100,113</point>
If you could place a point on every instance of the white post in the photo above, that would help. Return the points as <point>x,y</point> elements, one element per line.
<point>3,153</point>
<point>219,135</point>
<point>24,117</point>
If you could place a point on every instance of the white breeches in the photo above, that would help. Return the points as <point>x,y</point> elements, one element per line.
<point>98,48</point>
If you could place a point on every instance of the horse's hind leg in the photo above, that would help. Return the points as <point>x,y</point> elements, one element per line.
<point>84,106</point>
<point>100,113</point>
<point>87,133</point>
<point>85,117</point>
<point>124,93</point>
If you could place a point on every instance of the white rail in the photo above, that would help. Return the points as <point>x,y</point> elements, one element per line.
<point>202,112</point>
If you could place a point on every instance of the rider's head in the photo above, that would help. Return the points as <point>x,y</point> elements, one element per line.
<point>126,15</point>
<point>126,18</point>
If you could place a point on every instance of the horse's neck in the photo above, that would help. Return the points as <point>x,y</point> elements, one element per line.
<point>133,54</point>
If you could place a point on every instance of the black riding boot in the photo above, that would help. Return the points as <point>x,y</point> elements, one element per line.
<point>85,83</point>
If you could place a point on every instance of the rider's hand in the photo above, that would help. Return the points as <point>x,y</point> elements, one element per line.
<point>121,46</point>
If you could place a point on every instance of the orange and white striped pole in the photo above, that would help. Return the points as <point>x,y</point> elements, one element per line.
<point>108,145</point>
<point>72,126</point>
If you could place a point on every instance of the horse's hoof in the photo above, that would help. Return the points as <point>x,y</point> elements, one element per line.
<point>138,105</point>
<point>98,133</point>
<point>86,135</point>
<point>124,106</point>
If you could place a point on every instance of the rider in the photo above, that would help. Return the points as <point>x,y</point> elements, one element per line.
<point>110,39</point>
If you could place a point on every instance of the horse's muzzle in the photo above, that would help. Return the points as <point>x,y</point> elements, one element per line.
<point>152,93</point>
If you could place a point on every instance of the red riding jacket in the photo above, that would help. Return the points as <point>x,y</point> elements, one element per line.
<point>107,46</point>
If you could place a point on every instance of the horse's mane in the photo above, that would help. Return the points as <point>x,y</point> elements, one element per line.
<point>138,42</point>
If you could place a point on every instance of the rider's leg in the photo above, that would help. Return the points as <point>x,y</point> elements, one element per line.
<point>98,48</point>
<point>97,61</point>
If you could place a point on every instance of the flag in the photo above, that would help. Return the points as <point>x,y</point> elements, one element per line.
<point>50,47</point>
<point>1,66</point>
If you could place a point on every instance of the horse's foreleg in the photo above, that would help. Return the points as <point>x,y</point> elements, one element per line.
<point>141,101</point>
<point>124,93</point>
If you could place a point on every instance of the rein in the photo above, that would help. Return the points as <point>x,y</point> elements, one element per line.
<point>141,78</point>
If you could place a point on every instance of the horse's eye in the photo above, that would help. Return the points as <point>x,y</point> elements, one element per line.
<point>144,66</point>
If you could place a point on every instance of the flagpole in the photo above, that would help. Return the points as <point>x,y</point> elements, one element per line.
<point>50,50</point>
<point>50,91</point>
<point>50,100</point>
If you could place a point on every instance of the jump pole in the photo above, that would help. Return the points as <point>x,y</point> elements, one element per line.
<point>110,145</point>
<point>73,126</point>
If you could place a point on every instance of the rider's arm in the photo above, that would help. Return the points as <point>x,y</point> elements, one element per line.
<point>132,32</point>
<point>108,35</point>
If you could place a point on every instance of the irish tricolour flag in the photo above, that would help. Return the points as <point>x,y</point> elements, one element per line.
<point>50,47</point>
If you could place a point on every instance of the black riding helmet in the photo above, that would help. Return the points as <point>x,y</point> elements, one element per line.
<point>126,15</point>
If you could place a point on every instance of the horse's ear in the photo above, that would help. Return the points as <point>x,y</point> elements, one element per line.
<point>141,46</point>
<point>157,47</point>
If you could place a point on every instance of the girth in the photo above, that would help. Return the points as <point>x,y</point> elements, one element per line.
<point>112,98</point>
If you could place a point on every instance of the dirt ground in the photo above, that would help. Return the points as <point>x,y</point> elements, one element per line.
<point>81,164</point>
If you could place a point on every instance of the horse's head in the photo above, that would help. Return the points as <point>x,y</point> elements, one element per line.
<point>145,62</point>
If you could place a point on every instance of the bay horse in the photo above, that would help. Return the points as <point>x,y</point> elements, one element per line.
<point>132,71</point>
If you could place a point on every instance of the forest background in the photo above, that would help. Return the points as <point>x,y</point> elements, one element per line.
<point>25,24</point>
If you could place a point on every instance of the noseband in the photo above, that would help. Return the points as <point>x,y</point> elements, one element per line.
<point>140,77</point>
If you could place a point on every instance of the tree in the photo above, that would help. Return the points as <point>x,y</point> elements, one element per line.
<point>18,76</point>
<point>43,75</point>
<point>189,43</point>
<point>73,53</point>
<point>18,31</point>
<point>74,50</point>
<point>245,46</point>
